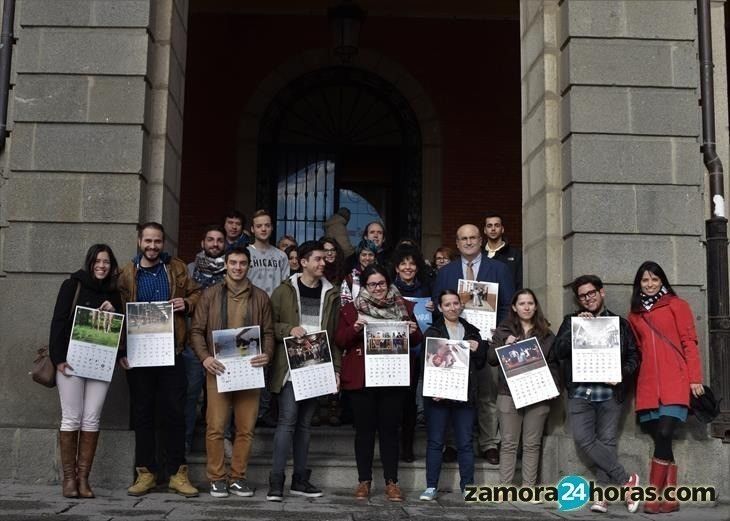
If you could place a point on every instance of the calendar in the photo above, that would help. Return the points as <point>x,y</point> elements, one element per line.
<point>387,360</point>
<point>446,369</point>
<point>150,334</point>
<point>92,350</point>
<point>596,350</point>
<point>310,365</point>
<point>480,305</point>
<point>234,348</point>
<point>423,315</point>
<point>527,373</point>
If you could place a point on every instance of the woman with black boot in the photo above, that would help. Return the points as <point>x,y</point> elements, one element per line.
<point>670,371</point>
<point>93,286</point>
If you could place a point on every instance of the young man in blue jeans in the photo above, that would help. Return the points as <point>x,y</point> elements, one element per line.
<point>594,408</point>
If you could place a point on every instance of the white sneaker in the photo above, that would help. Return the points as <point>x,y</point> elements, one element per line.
<point>428,495</point>
<point>600,506</point>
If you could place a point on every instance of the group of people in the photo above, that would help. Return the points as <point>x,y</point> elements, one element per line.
<point>239,280</point>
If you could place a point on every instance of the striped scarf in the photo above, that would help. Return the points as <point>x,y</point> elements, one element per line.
<point>649,301</point>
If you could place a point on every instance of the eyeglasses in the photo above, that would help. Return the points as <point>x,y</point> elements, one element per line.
<point>588,295</point>
<point>374,285</point>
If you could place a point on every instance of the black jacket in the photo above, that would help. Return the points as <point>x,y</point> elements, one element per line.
<point>477,359</point>
<point>503,331</point>
<point>630,356</point>
<point>92,294</point>
<point>512,257</point>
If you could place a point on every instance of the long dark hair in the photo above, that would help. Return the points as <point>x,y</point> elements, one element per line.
<point>91,255</point>
<point>653,268</point>
<point>540,325</point>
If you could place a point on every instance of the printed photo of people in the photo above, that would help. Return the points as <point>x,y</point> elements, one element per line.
<point>312,349</point>
<point>478,295</point>
<point>144,318</point>
<point>596,333</point>
<point>520,357</point>
<point>446,354</point>
<point>386,339</point>
<point>235,343</point>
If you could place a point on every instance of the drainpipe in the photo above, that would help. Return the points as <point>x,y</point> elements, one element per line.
<point>6,53</point>
<point>718,301</point>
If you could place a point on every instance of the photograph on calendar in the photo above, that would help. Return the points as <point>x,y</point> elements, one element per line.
<point>478,295</point>
<point>97,327</point>
<point>309,350</point>
<point>386,338</point>
<point>596,333</point>
<point>237,343</point>
<point>145,318</point>
<point>520,357</point>
<point>446,354</point>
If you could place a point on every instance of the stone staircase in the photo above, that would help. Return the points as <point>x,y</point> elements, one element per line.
<point>332,460</point>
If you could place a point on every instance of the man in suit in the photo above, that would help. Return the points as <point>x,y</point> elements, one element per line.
<point>476,265</point>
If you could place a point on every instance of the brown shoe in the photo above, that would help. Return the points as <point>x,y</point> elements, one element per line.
<point>492,456</point>
<point>363,490</point>
<point>392,491</point>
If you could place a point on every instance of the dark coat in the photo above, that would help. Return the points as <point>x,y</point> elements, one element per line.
<point>92,293</point>
<point>630,356</point>
<point>503,331</point>
<point>512,258</point>
<point>477,359</point>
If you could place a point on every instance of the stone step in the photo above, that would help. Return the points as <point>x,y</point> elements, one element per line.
<point>337,472</point>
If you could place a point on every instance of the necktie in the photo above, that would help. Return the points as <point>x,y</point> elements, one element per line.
<point>469,270</point>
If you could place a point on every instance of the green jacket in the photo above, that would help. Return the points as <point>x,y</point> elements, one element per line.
<point>285,305</point>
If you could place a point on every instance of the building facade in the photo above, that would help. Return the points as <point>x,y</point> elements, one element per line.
<point>172,110</point>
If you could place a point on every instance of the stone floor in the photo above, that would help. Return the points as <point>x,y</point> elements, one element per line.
<point>25,503</point>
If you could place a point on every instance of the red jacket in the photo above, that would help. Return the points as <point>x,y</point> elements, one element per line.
<point>352,344</point>
<point>666,371</point>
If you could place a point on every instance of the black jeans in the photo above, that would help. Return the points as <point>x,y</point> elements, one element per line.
<point>377,409</point>
<point>146,385</point>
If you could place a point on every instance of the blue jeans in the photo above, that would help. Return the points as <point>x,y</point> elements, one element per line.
<point>595,431</point>
<point>293,428</point>
<point>461,419</point>
<point>196,378</point>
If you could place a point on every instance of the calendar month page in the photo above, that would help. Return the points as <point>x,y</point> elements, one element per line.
<point>527,373</point>
<point>234,348</point>
<point>596,349</point>
<point>479,300</point>
<point>92,350</point>
<point>150,334</point>
<point>310,365</point>
<point>446,369</point>
<point>387,358</point>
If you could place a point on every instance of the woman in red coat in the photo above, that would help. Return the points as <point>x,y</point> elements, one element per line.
<point>374,409</point>
<point>670,370</point>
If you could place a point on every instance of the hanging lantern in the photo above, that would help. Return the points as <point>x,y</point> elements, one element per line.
<point>345,21</point>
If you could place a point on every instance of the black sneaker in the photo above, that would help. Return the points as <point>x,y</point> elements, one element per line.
<point>240,488</point>
<point>300,486</point>
<point>276,488</point>
<point>219,488</point>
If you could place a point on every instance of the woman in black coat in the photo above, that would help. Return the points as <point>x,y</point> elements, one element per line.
<point>93,286</point>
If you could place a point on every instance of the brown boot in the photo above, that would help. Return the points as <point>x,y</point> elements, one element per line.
<point>87,449</point>
<point>69,446</point>
<point>670,506</point>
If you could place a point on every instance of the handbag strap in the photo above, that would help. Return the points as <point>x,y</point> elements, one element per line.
<point>75,300</point>
<point>653,328</point>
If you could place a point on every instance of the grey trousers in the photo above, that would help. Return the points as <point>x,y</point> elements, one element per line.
<point>528,421</point>
<point>595,431</point>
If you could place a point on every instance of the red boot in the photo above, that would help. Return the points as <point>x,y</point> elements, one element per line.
<point>657,479</point>
<point>670,506</point>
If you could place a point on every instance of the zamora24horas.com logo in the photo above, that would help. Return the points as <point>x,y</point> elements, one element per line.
<point>574,492</point>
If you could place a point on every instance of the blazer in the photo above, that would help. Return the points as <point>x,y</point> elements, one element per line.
<point>490,270</point>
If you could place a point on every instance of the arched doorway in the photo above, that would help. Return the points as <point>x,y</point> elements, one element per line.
<point>340,136</point>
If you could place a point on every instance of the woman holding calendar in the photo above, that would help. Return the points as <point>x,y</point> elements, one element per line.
<point>93,286</point>
<point>525,320</point>
<point>441,413</point>
<point>375,409</point>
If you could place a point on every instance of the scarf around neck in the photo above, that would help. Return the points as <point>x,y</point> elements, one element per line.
<point>208,270</point>
<point>391,307</point>
<point>649,301</point>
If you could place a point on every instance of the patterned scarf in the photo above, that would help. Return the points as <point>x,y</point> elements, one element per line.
<point>208,270</point>
<point>649,301</point>
<point>392,307</point>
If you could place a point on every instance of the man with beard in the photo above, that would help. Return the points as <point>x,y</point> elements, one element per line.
<point>207,269</point>
<point>154,276</point>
